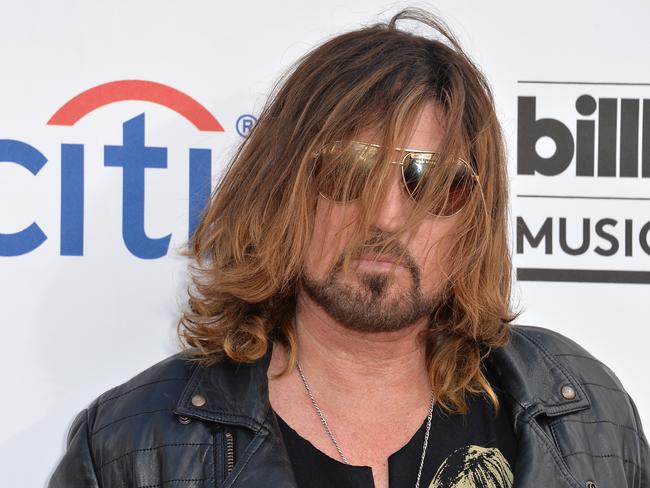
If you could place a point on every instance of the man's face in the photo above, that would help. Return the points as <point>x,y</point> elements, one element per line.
<point>380,296</point>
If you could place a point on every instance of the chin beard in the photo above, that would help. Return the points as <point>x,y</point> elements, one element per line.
<point>372,305</point>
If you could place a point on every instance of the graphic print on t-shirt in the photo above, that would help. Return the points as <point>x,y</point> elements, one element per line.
<point>474,467</point>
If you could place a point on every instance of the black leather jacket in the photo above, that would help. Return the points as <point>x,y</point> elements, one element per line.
<point>176,425</point>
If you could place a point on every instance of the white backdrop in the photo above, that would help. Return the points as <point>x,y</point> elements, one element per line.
<point>83,312</point>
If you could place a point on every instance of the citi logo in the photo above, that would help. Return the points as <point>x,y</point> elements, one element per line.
<point>133,157</point>
<point>592,142</point>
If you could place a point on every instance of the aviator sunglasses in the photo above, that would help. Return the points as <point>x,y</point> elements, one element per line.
<point>359,157</point>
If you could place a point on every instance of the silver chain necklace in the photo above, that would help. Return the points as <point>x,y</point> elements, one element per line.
<point>336,444</point>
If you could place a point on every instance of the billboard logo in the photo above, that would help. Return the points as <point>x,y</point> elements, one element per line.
<point>594,157</point>
<point>579,217</point>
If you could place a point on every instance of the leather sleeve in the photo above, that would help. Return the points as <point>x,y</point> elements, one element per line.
<point>644,456</point>
<point>76,469</point>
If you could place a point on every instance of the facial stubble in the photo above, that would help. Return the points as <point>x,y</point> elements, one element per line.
<point>372,305</point>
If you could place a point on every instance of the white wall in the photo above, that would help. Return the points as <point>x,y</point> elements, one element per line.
<point>73,326</point>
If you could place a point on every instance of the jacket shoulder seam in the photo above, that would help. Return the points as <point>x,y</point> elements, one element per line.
<point>95,432</point>
<point>102,401</point>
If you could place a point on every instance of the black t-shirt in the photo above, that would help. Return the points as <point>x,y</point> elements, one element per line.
<point>472,450</point>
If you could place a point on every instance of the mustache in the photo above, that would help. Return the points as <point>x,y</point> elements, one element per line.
<point>374,246</point>
<point>393,249</point>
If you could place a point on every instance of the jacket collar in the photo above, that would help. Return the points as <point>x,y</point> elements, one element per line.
<point>237,393</point>
<point>234,393</point>
<point>533,377</point>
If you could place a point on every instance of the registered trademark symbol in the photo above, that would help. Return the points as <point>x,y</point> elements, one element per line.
<point>244,124</point>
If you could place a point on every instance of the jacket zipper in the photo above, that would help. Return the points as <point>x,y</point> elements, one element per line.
<point>230,451</point>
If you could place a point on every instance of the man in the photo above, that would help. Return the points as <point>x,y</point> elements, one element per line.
<point>349,323</point>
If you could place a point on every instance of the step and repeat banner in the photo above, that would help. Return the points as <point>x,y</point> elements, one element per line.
<point>118,118</point>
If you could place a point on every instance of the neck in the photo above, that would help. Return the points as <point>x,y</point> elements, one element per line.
<point>348,365</point>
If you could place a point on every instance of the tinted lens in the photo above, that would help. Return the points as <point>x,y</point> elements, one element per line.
<point>415,169</point>
<point>343,171</point>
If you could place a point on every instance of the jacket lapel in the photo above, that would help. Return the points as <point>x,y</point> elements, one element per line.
<point>237,394</point>
<point>531,380</point>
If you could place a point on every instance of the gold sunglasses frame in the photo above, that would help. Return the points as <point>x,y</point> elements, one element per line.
<point>402,164</point>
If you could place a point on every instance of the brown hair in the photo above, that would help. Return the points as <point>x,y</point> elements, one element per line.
<point>248,248</point>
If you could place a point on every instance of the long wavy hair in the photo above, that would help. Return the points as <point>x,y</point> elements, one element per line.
<point>247,251</point>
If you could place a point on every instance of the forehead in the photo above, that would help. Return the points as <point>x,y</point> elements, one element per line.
<point>426,134</point>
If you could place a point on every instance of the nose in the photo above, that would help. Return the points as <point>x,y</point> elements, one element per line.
<point>393,208</point>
